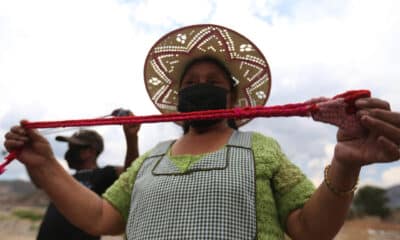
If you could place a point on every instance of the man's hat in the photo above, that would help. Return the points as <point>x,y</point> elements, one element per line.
<point>84,138</point>
<point>168,57</point>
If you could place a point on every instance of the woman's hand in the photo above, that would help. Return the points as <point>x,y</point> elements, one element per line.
<point>35,150</point>
<point>380,140</point>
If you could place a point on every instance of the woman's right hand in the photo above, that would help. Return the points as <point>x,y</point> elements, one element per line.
<point>34,149</point>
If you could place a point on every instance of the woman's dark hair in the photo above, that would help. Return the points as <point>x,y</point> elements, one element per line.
<point>220,65</point>
<point>212,60</point>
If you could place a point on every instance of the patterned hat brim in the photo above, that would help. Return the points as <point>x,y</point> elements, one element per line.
<point>171,53</point>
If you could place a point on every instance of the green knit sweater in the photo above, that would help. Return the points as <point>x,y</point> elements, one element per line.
<point>281,187</point>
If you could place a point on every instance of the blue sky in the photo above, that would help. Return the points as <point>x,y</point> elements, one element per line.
<point>82,59</point>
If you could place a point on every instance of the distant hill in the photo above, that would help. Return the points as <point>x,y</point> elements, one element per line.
<point>21,193</point>
<point>393,195</point>
<point>24,193</point>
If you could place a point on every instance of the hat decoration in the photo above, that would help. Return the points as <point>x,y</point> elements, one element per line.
<point>168,57</point>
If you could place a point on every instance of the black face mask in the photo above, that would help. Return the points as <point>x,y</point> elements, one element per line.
<point>201,97</point>
<point>73,156</point>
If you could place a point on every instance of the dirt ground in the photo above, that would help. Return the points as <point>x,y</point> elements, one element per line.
<point>14,228</point>
<point>369,228</point>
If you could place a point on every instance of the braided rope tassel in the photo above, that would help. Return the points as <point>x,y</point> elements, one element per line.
<point>339,111</point>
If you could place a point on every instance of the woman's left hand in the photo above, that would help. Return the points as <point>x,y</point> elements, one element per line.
<point>380,140</point>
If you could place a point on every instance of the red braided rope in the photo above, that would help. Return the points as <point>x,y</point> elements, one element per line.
<point>305,109</point>
<point>301,109</point>
<point>13,155</point>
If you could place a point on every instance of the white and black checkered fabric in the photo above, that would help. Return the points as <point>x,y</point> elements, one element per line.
<point>215,199</point>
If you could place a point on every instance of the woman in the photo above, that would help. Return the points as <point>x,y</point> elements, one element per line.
<point>215,182</point>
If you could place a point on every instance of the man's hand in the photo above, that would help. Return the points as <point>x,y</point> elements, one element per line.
<point>35,150</point>
<point>131,137</point>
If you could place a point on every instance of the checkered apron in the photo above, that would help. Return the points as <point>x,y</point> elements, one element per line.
<point>214,199</point>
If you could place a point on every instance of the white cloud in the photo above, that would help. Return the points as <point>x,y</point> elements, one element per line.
<point>368,182</point>
<point>391,176</point>
<point>170,13</point>
<point>315,167</point>
<point>83,55</point>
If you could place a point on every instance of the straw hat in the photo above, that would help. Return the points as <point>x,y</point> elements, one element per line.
<point>170,54</point>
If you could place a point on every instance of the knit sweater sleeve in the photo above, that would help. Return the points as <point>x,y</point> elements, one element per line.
<point>290,186</point>
<point>119,194</point>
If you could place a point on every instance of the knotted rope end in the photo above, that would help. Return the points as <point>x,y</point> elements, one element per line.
<point>340,110</point>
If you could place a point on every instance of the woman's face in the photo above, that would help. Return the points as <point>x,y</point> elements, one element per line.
<point>205,86</point>
<point>207,72</point>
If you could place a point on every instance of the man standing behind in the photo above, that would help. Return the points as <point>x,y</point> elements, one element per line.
<point>84,147</point>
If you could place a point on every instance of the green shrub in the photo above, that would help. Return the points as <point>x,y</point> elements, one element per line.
<point>371,201</point>
<point>27,214</point>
